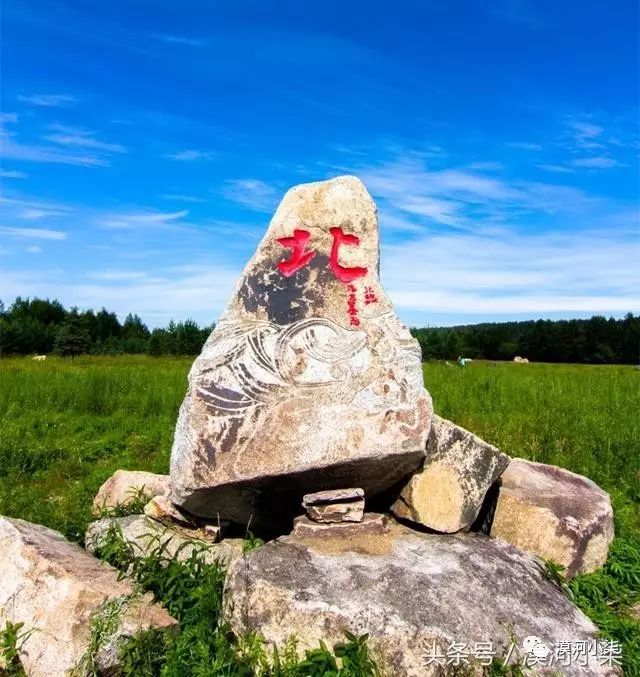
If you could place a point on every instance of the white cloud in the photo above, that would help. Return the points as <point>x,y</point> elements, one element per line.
<point>190,155</point>
<point>34,249</point>
<point>201,292</point>
<point>252,193</point>
<point>12,150</point>
<point>82,138</point>
<point>180,40</point>
<point>117,275</point>
<point>598,162</point>
<point>464,199</point>
<point>511,273</point>
<point>35,214</point>
<point>48,100</point>
<point>523,145</point>
<point>142,219</point>
<point>8,117</point>
<point>558,169</point>
<point>180,197</point>
<point>34,233</point>
<point>585,133</point>
<point>12,174</point>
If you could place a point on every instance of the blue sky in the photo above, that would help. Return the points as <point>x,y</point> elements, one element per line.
<point>145,145</point>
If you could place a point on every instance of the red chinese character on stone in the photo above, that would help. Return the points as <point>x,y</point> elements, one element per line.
<point>299,257</point>
<point>346,275</point>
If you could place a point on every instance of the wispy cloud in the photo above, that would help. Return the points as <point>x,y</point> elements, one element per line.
<point>34,233</point>
<point>48,100</point>
<point>523,145</point>
<point>143,219</point>
<point>598,162</point>
<point>558,169</point>
<point>82,138</point>
<point>180,197</point>
<point>180,40</point>
<point>585,133</point>
<point>252,193</point>
<point>12,174</point>
<point>8,117</point>
<point>190,155</point>
<point>14,150</point>
<point>34,249</point>
<point>511,273</point>
<point>117,275</point>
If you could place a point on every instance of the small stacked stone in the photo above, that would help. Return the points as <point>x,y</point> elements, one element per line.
<point>335,505</point>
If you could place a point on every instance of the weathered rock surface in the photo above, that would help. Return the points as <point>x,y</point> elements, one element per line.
<point>407,590</point>
<point>447,493</point>
<point>57,588</point>
<point>371,523</point>
<point>161,508</point>
<point>123,486</point>
<point>144,535</point>
<point>554,513</point>
<point>335,505</point>
<point>309,380</point>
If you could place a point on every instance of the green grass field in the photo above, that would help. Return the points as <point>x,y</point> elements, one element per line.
<point>66,425</point>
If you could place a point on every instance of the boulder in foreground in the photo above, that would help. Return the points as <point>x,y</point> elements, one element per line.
<point>144,535</point>
<point>555,514</point>
<point>309,380</point>
<point>124,486</point>
<point>57,589</point>
<point>447,493</point>
<point>414,594</point>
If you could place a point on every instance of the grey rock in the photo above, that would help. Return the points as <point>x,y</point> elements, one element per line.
<point>448,492</point>
<point>58,590</point>
<point>409,591</point>
<point>554,513</point>
<point>145,534</point>
<point>309,380</point>
<point>123,486</point>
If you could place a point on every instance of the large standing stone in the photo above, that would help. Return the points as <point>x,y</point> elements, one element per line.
<point>447,493</point>
<point>554,513</point>
<point>309,380</point>
<point>57,590</point>
<point>417,595</point>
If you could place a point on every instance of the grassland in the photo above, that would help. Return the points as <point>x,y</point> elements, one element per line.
<point>66,425</point>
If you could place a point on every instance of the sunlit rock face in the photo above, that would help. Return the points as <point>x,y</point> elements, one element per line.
<point>309,380</point>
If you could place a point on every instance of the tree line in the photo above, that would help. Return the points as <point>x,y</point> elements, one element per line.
<point>39,326</point>
<point>599,340</point>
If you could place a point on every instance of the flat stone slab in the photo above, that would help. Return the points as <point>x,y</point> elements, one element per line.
<point>555,514</point>
<point>371,523</point>
<point>339,505</point>
<point>446,494</point>
<point>57,589</point>
<point>411,592</point>
<point>332,496</point>
<point>309,380</point>
<point>144,535</point>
